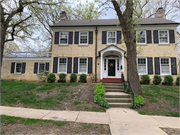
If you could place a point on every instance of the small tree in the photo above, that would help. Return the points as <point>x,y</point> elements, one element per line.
<point>42,75</point>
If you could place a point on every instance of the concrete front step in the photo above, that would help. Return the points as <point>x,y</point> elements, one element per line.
<point>113,84</point>
<point>114,87</point>
<point>118,100</point>
<point>116,95</point>
<point>114,90</point>
<point>125,105</point>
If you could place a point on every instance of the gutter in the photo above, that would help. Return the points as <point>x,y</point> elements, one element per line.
<point>96,31</point>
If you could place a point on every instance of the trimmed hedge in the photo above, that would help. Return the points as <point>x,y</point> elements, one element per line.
<point>73,77</point>
<point>145,79</point>
<point>177,80</point>
<point>157,79</point>
<point>62,77</point>
<point>51,78</point>
<point>83,78</point>
<point>168,80</point>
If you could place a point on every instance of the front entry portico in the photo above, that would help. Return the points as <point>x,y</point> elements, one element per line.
<point>112,62</point>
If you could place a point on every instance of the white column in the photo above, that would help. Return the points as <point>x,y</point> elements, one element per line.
<point>122,63</point>
<point>101,65</point>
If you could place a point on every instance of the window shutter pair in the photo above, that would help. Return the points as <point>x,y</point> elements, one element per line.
<point>173,66</point>
<point>90,40</point>
<point>13,67</point>
<point>70,38</point>
<point>55,65</point>
<point>90,64</point>
<point>104,37</point>
<point>36,67</point>
<point>156,36</point>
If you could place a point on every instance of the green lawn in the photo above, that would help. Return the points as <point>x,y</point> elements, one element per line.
<point>55,96</point>
<point>161,100</point>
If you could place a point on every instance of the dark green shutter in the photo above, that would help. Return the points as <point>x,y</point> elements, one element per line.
<point>69,65</point>
<point>12,67</point>
<point>171,36</point>
<point>104,37</point>
<point>56,38</point>
<point>47,66</point>
<point>75,68</point>
<point>55,64</point>
<point>157,66</point>
<point>70,38</point>
<point>35,68</point>
<point>150,65</point>
<point>149,38</point>
<point>90,37</point>
<point>23,67</point>
<point>173,66</point>
<point>119,37</point>
<point>76,39</point>
<point>155,35</point>
<point>90,63</point>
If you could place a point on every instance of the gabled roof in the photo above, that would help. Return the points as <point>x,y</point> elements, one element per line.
<point>111,22</point>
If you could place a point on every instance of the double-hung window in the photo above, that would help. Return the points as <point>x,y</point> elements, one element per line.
<point>142,66</point>
<point>83,65</point>
<point>63,38</point>
<point>111,37</point>
<point>83,38</point>
<point>163,37</point>
<point>41,67</point>
<point>165,66</point>
<point>18,68</point>
<point>62,65</point>
<point>141,37</point>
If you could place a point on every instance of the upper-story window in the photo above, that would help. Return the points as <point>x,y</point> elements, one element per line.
<point>62,65</point>
<point>83,38</point>
<point>142,66</point>
<point>63,38</point>
<point>165,66</point>
<point>141,37</point>
<point>111,37</point>
<point>18,68</point>
<point>163,37</point>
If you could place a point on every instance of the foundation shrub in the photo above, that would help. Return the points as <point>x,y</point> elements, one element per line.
<point>177,80</point>
<point>145,79</point>
<point>51,78</point>
<point>157,79</point>
<point>42,75</point>
<point>83,78</point>
<point>62,77</point>
<point>168,80</point>
<point>73,77</point>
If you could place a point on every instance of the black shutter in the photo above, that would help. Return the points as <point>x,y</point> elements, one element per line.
<point>69,65</point>
<point>90,37</point>
<point>56,38</point>
<point>55,64</point>
<point>23,67</point>
<point>12,67</point>
<point>118,37</point>
<point>70,38</point>
<point>104,37</point>
<point>149,38</point>
<point>90,62</point>
<point>47,66</point>
<point>76,39</point>
<point>171,36</point>
<point>75,69</point>
<point>150,65</point>
<point>155,35</point>
<point>35,68</point>
<point>157,66</point>
<point>173,66</point>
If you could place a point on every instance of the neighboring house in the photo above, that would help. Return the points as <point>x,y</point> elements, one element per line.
<point>94,47</point>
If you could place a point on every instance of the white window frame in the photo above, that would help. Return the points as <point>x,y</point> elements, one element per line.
<point>86,65</point>
<point>111,37</point>
<point>167,36</point>
<point>15,68</point>
<point>60,38</point>
<point>66,64</point>
<point>80,38</point>
<point>169,65</point>
<point>146,65</point>
<point>145,37</point>
<point>44,66</point>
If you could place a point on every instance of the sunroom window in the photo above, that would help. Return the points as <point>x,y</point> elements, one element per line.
<point>83,65</point>
<point>111,37</point>
<point>141,37</point>
<point>83,38</point>
<point>142,68</point>
<point>165,66</point>
<point>163,37</point>
<point>64,38</point>
<point>41,67</point>
<point>18,68</point>
<point>62,65</point>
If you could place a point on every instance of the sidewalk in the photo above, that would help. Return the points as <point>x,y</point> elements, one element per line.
<point>122,121</point>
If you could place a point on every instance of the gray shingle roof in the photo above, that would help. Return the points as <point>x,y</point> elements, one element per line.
<point>111,22</point>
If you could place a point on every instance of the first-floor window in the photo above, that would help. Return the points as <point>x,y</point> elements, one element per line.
<point>142,68</point>
<point>41,67</point>
<point>165,66</point>
<point>62,65</point>
<point>83,65</point>
<point>18,68</point>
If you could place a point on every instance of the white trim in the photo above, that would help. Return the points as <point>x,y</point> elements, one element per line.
<point>146,65</point>
<point>145,38</point>
<point>66,64</point>
<point>30,58</point>
<point>111,37</point>
<point>167,36</point>
<point>15,68</point>
<point>60,38</point>
<point>169,65</point>
<point>86,65</point>
<point>87,38</point>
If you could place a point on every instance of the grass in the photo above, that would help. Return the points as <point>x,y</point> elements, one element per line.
<point>162,100</point>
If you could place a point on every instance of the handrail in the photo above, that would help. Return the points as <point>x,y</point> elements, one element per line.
<point>122,77</point>
<point>130,87</point>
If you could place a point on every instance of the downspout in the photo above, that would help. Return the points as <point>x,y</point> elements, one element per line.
<point>96,31</point>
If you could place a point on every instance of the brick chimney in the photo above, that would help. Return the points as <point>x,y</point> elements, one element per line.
<point>160,13</point>
<point>63,15</point>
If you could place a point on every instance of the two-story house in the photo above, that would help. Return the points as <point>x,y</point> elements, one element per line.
<point>96,47</point>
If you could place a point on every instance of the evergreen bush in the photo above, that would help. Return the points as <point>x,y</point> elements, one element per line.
<point>73,77</point>
<point>168,80</point>
<point>62,77</point>
<point>145,79</point>
<point>51,78</point>
<point>83,78</point>
<point>157,79</point>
